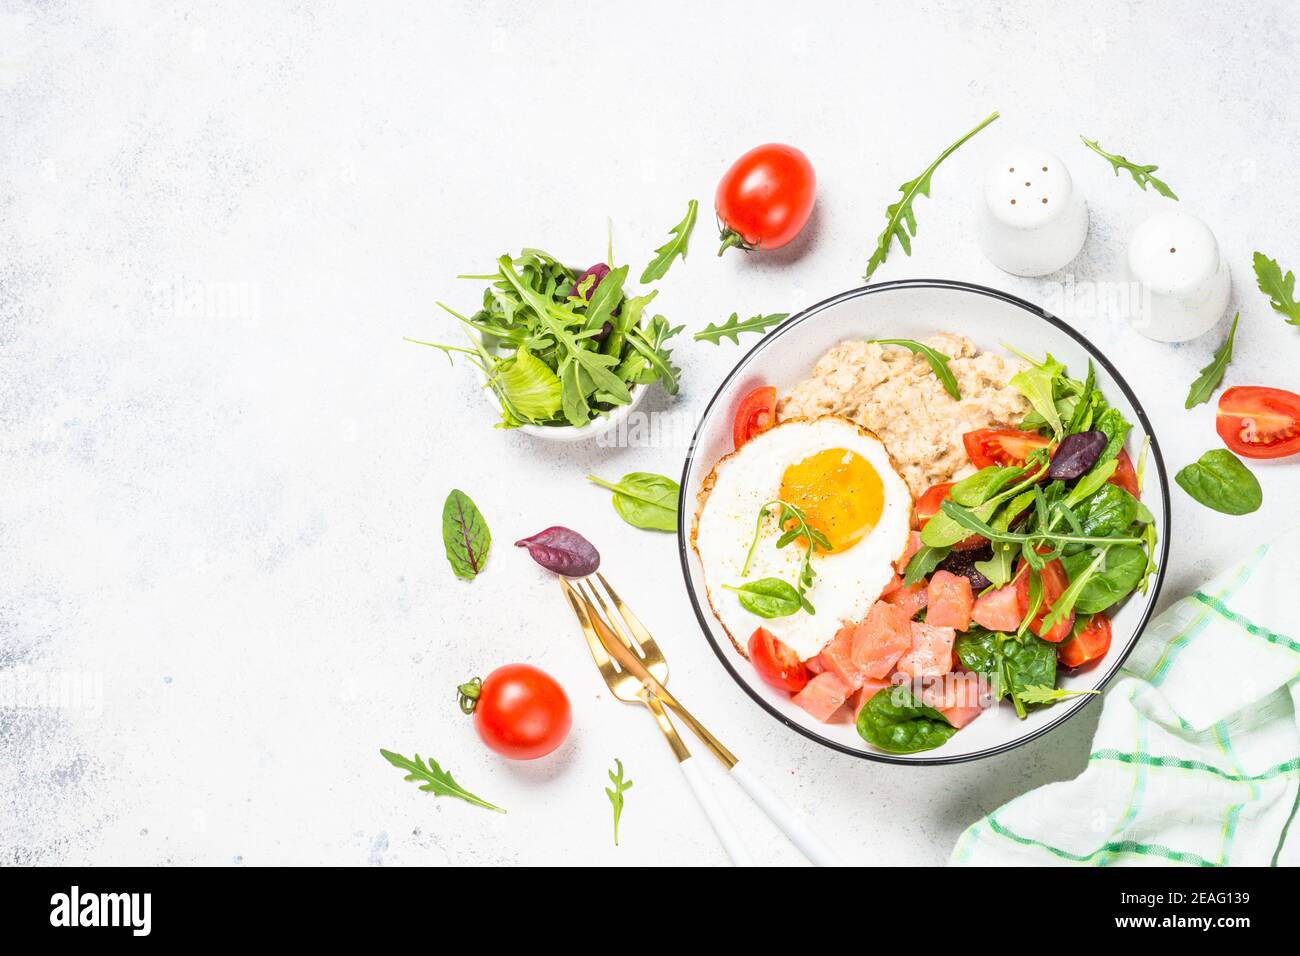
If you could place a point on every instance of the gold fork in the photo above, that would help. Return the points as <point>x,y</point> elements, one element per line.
<point>631,689</point>
<point>634,648</point>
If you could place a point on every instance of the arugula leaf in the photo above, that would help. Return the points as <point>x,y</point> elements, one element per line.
<point>1041,694</point>
<point>900,218</point>
<point>645,500</point>
<point>615,795</point>
<point>1212,374</point>
<point>769,597</point>
<point>938,361</point>
<point>1280,289</point>
<point>1141,174</point>
<point>732,328</point>
<point>465,535</point>
<point>924,561</point>
<point>436,781</point>
<point>1222,483</point>
<point>676,246</point>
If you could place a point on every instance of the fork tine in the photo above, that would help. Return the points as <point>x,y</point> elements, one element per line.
<point>639,633</point>
<point>609,620</point>
<point>602,659</point>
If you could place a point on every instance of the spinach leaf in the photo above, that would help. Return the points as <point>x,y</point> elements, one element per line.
<point>769,597</point>
<point>1222,483</point>
<point>1119,574</point>
<point>894,720</point>
<point>938,361</point>
<point>1116,428</point>
<point>644,500</point>
<point>1026,662</point>
<point>978,488</point>
<point>465,535</point>
<point>977,650</point>
<point>1109,513</point>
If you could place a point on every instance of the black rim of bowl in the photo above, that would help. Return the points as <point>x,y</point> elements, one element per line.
<point>1068,709</point>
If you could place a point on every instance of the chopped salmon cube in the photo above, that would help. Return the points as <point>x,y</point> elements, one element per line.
<point>949,600</point>
<point>959,697</point>
<point>884,635</point>
<point>997,610</point>
<point>931,653</point>
<point>823,696</point>
<point>894,584</point>
<point>910,599</point>
<point>837,658</point>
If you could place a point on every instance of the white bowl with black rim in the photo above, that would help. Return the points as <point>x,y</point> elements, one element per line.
<point>917,309</point>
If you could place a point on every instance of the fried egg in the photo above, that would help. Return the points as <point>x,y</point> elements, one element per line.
<point>841,477</point>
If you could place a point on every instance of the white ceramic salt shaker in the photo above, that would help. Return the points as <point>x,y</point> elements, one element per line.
<point>1184,280</point>
<point>1032,219</point>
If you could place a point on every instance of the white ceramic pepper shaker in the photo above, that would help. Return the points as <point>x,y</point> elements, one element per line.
<point>1032,219</point>
<point>1184,280</point>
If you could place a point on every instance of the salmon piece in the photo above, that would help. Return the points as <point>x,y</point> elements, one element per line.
<point>870,687</point>
<point>913,546</point>
<point>909,599</point>
<point>837,658</point>
<point>894,584</point>
<point>949,599</point>
<point>959,697</point>
<point>931,653</point>
<point>884,635</point>
<point>815,664</point>
<point>823,696</point>
<point>997,610</point>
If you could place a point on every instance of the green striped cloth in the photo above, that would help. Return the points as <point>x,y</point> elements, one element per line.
<point>1196,760</point>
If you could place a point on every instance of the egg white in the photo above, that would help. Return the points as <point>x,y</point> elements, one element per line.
<point>846,583</point>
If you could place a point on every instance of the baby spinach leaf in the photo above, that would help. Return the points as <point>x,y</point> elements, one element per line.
<point>1116,429</point>
<point>769,597</point>
<point>1119,575</point>
<point>1025,662</point>
<point>1108,513</point>
<point>644,500</point>
<point>465,535</point>
<point>938,361</point>
<point>675,246</point>
<point>1221,482</point>
<point>977,650</point>
<point>978,488</point>
<point>894,720</point>
<point>1212,374</point>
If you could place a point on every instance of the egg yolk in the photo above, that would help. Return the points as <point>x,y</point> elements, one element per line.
<point>839,492</point>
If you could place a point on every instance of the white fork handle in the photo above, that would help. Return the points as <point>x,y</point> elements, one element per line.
<point>712,808</point>
<point>789,822</point>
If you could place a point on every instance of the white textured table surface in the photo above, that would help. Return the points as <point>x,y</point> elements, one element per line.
<point>223,469</point>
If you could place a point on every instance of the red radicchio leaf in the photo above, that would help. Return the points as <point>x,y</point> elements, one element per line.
<point>563,551</point>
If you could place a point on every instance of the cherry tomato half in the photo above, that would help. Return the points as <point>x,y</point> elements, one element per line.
<point>765,198</point>
<point>1258,422</point>
<point>520,711</point>
<point>1001,446</point>
<point>927,506</point>
<point>1124,475</point>
<point>756,414</point>
<point>1088,646</point>
<point>776,663</point>
<point>1054,584</point>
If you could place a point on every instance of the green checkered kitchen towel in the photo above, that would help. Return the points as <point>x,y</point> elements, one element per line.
<point>1196,760</point>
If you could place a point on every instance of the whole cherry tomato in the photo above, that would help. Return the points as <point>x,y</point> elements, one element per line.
<point>765,198</point>
<point>519,711</point>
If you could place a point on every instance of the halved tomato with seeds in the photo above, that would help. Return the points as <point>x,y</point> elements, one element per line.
<point>1258,422</point>
<point>1002,446</point>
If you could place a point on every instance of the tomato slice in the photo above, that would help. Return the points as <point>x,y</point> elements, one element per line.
<point>1088,646</point>
<point>776,663</point>
<point>927,506</point>
<point>1258,422</point>
<point>756,414</point>
<point>1001,446</point>
<point>1125,476</point>
<point>1054,583</point>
